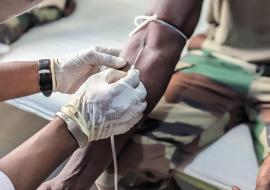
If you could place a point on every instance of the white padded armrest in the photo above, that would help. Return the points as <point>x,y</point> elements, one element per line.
<point>229,161</point>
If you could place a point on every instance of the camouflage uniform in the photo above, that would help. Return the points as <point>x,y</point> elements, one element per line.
<point>14,28</point>
<point>214,90</point>
<point>213,93</point>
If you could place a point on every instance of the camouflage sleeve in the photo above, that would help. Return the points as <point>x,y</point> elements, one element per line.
<point>14,28</point>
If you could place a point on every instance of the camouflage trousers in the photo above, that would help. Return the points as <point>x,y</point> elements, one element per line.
<point>209,94</point>
<point>14,28</point>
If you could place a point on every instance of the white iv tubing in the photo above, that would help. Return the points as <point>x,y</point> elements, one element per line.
<point>114,163</point>
<point>114,155</point>
<point>145,20</point>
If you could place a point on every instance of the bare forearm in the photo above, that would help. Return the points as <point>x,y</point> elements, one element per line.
<point>162,45</point>
<point>18,79</point>
<point>160,54</point>
<point>30,164</point>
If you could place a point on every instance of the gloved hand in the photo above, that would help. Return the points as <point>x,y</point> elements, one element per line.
<point>70,72</point>
<point>108,103</point>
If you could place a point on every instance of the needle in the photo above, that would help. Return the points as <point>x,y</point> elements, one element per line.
<point>137,58</point>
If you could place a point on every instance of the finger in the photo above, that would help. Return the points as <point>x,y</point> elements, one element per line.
<point>122,128</point>
<point>262,185</point>
<point>141,92</point>
<point>138,109</point>
<point>108,50</point>
<point>261,188</point>
<point>132,120</point>
<point>132,78</point>
<point>235,188</point>
<point>112,75</point>
<point>110,61</point>
<point>92,57</point>
<point>135,117</point>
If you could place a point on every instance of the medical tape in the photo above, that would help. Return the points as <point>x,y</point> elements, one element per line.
<point>142,21</point>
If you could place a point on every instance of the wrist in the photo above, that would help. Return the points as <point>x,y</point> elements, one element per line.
<point>61,127</point>
<point>74,129</point>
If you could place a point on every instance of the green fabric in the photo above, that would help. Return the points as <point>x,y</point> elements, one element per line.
<point>14,28</point>
<point>257,129</point>
<point>219,71</point>
<point>233,76</point>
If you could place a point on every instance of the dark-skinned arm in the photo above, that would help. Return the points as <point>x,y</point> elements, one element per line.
<point>162,48</point>
<point>31,163</point>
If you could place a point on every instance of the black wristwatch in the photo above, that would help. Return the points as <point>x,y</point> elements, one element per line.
<point>45,77</point>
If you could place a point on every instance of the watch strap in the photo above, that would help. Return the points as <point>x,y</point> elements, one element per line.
<point>45,77</point>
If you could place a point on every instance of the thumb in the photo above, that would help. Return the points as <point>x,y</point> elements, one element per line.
<point>112,75</point>
<point>107,76</point>
<point>110,60</point>
<point>132,79</point>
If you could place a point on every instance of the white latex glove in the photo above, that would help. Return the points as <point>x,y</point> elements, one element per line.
<point>108,103</point>
<point>70,72</point>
